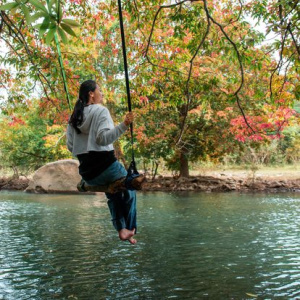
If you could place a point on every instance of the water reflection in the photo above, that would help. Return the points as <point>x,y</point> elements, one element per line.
<point>191,246</point>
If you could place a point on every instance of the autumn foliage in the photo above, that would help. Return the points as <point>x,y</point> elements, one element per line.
<point>203,82</point>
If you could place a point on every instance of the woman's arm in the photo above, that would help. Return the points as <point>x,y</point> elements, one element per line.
<point>109,136</point>
<point>106,133</point>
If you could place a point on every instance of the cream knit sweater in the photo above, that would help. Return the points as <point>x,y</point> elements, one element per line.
<point>98,132</point>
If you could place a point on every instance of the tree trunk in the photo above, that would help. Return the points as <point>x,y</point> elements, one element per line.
<point>184,163</point>
<point>155,171</point>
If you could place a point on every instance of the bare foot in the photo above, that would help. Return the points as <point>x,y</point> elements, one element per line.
<point>132,241</point>
<point>125,234</point>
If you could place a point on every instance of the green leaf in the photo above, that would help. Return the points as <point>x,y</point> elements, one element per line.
<point>68,29</point>
<point>38,16</point>
<point>59,14</point>
<point>71,23</point>
<point>52,25</point>
<point>37,26</point>
<point>41,32</point>
<point>62,36</point>
<point>50,35</point>
<point>9,6</point>
<point>45,23</point>
<point>52,3</point>
<point>44,26</point>
<point>26,13</point>
<point>19,47</point>
<point>53,17</point>
<point>39,5</point>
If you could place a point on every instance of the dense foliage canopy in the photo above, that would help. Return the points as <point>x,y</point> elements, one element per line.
<point>205,83</point>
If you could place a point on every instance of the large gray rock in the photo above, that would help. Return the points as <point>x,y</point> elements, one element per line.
<point>56,177</point>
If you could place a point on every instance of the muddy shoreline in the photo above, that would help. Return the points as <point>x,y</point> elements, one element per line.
<point>227,184</point>
<point>194,183</point>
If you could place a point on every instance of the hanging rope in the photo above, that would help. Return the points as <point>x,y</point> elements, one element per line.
<point>132,167</point>
<point>133,180</point>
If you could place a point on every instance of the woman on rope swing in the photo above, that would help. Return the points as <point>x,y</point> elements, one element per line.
<point>90,136</point>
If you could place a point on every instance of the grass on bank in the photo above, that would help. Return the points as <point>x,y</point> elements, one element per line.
<point>288,171</point>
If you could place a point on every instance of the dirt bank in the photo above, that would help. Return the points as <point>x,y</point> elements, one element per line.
<point>223,184</point>
<point>211,182</point>
<point>15,184</point>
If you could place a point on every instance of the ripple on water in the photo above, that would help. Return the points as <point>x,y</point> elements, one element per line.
<point>190,247</point>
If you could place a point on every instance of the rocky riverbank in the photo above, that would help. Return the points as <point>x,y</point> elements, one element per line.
<point>194,183</point>
<point>14,184</point>
<point>226,184</point>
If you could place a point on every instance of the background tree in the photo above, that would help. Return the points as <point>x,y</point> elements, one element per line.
<point>202,83</point>
<point>207,55</point>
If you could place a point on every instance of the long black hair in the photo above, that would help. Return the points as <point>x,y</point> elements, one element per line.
<point>83,98</point>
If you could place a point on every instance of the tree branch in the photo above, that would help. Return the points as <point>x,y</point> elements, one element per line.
<point>238,17</point>
<point>236,93</point>
<point>279,62</point>
<point>187,92</point>
<point>152,30</point>
<point>285,73</point>
<point>31,154</point>
<point>294,40</point>
<point>19,37</point>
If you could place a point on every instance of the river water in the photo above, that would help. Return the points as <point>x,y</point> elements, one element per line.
<point>190,246</point>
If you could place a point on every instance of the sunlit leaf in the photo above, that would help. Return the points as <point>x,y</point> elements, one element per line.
<point>71,23</point>
<point>37,26</point>
<point>26,13</point>
<point>38,16</point>
<point>44,26</point>
<point>38,5</point>
<point>50,35</point>
<point>9,6</point>
<point>59,14</point>
<point>68,29</point>
<point>52,3</point>
<point>62,36</point>
<point>41,32</point>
